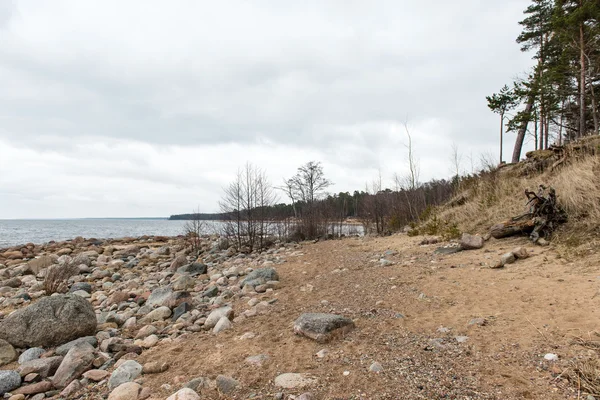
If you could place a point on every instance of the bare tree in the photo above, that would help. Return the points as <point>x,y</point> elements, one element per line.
<point>413,163</point>
<point>456,160</point>
<point>308,186</point>
<point>246,203</point>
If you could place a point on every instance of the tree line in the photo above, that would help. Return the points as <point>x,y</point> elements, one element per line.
<point>558,99</point>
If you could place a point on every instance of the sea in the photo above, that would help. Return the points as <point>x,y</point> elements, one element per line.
<point>38,231</point>
<point>20,231</point>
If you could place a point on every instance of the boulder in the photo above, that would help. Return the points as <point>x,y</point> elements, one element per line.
<point>471,242</point>
<point>260,277</point>
<point>126,372</point>
<point>8,353</point>
<point>78,360</point>
<point>49,322</point>
<point>322,327</point>
<point>9,381</point>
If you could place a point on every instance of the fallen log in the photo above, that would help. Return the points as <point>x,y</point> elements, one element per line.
<point>511,228</point>
<point>542,218</point>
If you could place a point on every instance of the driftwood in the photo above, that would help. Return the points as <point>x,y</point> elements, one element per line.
<point>543,216</point>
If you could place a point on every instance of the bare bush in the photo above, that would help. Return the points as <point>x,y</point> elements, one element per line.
<point>193,230</point>
<point>58,275</point>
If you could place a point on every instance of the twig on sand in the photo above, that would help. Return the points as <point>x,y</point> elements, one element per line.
<point>536,328</point>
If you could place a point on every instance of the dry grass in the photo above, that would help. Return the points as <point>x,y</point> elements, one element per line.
<point>585,376</point>
<point>500,196</point>
<point>57,277</point>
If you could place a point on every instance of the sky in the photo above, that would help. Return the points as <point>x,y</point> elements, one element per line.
<point>147,108</point>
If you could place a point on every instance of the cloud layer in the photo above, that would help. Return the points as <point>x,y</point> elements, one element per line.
<point>144,108</point>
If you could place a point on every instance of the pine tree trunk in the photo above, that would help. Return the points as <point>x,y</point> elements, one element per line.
<point>594,111</point>
<point>522,130</point>
<point>581,84</point>
<point>501,134</point>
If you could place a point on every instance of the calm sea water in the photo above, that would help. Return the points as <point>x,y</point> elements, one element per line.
<point>14,232</point>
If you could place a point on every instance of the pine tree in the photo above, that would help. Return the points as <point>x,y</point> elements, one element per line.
<point>500,103</point>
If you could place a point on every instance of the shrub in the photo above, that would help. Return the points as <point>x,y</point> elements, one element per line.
<point>57,277</point>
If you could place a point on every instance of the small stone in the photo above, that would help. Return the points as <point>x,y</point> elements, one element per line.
<point>322,353</point>
<point>376,367</point>
<point>478,321</point>
<point>346,373</point>
<point>223,324</point>
<point>322,327</point>
<point>8,353</point>
<point>150,341</point>
<point>71,389</point>
<point>184,394</point>
<point>64,349</point>
<point>247,336</point>
<point>155,367</point>
<point>34,388</point>
<point>9,380</point>
<point>471,242</point>
<point>78,360</point>
<point>520,253</point>
<point>293,380</point>
<point>43,366</point>
<point>126,391</point>
<point>257,360</point>
<point>127,372</point>
<point>96,375</point>
<point>461,339</point>
<point>226,384</point>
<point>216,315</point>
<point>305,396</point>
<point>551,357</point>
<point>31,354</point>
<point>146,331</point>
<point>508,258</point>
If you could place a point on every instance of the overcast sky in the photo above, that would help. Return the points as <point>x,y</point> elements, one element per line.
<point>147,108</point>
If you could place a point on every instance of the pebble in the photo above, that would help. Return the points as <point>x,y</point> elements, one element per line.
<point>551,357</point>
<point>376,367</point>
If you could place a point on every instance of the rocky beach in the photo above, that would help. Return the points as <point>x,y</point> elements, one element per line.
<point>355,318</point>
<point>127,296</point>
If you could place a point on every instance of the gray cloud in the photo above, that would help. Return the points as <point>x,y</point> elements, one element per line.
<point>232,81</point>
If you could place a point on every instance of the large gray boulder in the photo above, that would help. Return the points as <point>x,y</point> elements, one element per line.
<point>49,322</point>
<point>260,277</point>
<point>322,327</point>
